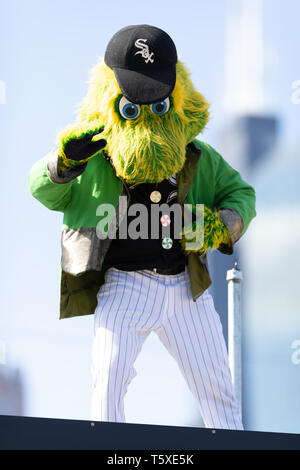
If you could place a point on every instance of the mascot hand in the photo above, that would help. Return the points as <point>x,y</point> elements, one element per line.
<point>214,234</point>
<point>77,146</point>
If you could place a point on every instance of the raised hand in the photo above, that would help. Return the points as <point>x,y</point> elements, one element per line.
<point>82,148</point>
<point>76,146</point>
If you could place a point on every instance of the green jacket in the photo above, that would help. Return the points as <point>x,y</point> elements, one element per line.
<point>206,178</point>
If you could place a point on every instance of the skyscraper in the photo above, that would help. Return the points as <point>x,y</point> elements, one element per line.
<point>250,133</point>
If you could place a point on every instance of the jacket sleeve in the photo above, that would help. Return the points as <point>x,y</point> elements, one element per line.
<point>234,199</point>
<point>49,187</point>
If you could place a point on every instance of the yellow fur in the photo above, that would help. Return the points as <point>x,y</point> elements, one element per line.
<point>150,148</point>
<point>215,233</point>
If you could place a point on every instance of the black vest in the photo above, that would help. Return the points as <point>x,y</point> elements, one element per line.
<point>163,252</point>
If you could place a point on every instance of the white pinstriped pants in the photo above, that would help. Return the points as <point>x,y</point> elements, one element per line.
<point>132,304</point>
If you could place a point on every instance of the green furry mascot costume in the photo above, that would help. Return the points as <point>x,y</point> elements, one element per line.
<point>135,139</point>
<point>140,148</point>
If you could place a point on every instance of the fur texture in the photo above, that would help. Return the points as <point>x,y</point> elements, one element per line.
<point>75,131</point>
<point>215,233</point>
<point>150,148</point>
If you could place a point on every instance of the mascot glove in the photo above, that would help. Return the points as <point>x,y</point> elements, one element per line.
<point>76,147</point>
<point>221,230</point>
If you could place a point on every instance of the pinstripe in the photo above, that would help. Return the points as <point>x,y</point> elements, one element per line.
<point>153,304</point>
<point>186,375</point>
<point>131,354</point>
<point>211,361</point>
<point>154,297</point>
<point>215,358</point>
<point>145,324</point>
<point>112,340</point>
<point>205,355</point>
<point>204,387</point>
<point>96,370</point>
<point>180,358</point>
<point>161,307</point>
<point>225,365</point>
<point>120,345</point>
<point>126,351</point>
<point>101,293</point>
<point>144,307</point>
<point>159,315</point>
<point>145,303</point>
<point>195,341</point>
<point>221,341</point>
<point>105,336</point>
<point>100,310</point>
<point>198,366</point>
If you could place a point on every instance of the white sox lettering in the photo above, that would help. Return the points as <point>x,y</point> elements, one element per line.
<point>145,53</point>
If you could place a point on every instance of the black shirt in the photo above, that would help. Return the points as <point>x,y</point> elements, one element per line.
<point>141,253</point>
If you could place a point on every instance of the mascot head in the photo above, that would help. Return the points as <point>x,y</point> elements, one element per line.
<point>143,98</point>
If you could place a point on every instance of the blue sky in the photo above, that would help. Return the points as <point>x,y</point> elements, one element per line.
<point>46,50</point>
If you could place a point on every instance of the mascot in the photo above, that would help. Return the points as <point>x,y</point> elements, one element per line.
<point>143,202</point>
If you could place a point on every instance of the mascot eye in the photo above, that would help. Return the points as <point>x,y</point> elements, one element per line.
<point>127,109</point>
<point>161,107</point>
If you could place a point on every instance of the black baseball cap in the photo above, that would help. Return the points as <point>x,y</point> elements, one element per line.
<point>143,59</point>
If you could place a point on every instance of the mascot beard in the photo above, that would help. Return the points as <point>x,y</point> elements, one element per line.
<point>149,148</point>
<point>144,147</point>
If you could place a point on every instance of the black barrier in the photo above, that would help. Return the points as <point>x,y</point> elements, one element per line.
<point>18,433</point>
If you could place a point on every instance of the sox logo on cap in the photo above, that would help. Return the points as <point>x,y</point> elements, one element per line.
<point>145,52</point>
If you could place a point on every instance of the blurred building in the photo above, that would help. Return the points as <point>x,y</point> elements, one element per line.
<point>245,143</point>
<point>268,254</point>
<point>248,134</point>
<point>272,308</point>
<point>11,391</point>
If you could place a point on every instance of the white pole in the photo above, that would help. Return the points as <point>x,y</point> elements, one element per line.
<point>234,278</point>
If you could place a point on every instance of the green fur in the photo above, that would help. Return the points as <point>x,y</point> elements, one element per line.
<point>215,233</point>
<point>150,148</point>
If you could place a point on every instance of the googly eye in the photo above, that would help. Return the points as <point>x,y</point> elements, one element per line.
<point>161,107</point>
<point>127,109</point>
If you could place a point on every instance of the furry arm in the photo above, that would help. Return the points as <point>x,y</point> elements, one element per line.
<point>228,213</point>
<point>205,233</point>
